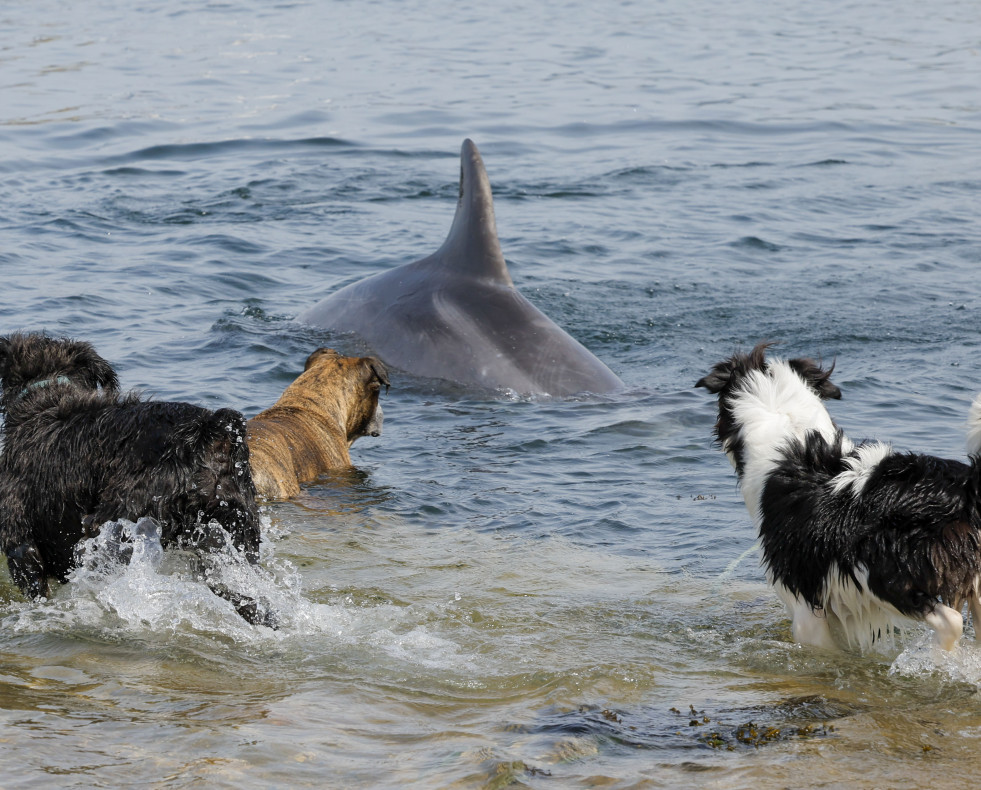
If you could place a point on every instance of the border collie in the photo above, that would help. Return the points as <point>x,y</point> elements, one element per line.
<point>858,533</point>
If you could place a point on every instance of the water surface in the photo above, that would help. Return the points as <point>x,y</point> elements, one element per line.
<point>504,591</point>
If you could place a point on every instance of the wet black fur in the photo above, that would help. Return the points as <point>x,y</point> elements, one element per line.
<point>77,454</point>
<point>915,526</point>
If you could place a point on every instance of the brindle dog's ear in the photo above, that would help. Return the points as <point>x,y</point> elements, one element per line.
<point>378,371</point>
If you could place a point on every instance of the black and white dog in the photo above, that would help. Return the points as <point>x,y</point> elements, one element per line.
<point>860,533</point>
<point>78,454</point>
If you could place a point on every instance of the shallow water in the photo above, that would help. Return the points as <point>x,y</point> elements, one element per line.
<point>504,591</point>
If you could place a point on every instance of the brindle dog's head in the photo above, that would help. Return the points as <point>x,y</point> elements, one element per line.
<point>355,380</point>
<point>31,363</point>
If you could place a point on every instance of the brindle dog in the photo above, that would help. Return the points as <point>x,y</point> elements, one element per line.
<point>310,428</point>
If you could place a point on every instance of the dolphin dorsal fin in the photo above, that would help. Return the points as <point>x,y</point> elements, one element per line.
<point>472,246</point>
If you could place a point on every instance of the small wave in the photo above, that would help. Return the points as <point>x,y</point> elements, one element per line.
<point>185,152</point>
<point>756,243</point>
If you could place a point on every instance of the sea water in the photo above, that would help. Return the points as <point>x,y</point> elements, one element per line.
<point>503,591</point>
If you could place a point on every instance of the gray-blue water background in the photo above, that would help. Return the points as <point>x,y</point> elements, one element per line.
<point>505,592</point>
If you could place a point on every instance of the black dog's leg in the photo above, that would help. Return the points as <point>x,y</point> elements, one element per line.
<point>212,542</point>
<point>248,608</point>
<point>117,548</point>
<point>27,570</point>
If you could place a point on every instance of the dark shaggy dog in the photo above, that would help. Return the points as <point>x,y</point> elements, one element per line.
<point>78,454</point>
<point>862,534</point>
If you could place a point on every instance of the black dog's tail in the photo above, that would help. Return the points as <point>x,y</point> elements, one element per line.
<point>213,431</point>
<point>215,445</point>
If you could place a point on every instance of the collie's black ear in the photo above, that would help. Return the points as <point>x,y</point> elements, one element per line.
<point>737,366</point>
<point>756,359</point>
<point>828,390</point>
<point>817,379</point>
<point>717,380</point>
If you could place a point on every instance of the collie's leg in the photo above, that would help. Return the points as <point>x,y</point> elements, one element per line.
<point>974,603</point>
<point>811,628</point>
<point>947,625</point>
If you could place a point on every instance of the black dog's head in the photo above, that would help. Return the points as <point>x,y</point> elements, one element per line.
<point>31,362</point>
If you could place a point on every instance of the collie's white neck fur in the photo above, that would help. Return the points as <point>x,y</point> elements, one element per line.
<point>867,457</point>
<point>772,408</point>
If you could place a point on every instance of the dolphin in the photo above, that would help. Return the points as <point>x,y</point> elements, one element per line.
<point>456,315</point>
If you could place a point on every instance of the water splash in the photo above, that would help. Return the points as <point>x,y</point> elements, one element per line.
<point>925,657</point>
<point>125,586</point>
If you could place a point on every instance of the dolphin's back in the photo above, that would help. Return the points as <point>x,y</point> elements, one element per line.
<point>456,314</point>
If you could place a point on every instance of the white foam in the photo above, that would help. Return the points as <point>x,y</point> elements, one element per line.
<point>925,658</point>
<point>151,594</point>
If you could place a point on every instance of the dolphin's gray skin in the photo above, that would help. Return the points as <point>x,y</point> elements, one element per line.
<point>456,315</point>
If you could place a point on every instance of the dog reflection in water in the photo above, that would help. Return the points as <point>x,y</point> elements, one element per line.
<point>78,454</point>
<point>861,534</point>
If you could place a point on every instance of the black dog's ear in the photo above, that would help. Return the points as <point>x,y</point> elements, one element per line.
<point>94,367</point>
<point>105,376</point>
<point>82,363</point>
<point>4,356</point>
<point>377,371</point>
<point>819,380</point>
<point>717,380</point>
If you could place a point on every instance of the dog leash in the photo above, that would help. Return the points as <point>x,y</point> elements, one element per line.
<point>43,383</point>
